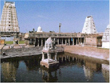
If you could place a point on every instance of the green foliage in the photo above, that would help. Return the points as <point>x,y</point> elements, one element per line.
<point>8,42</point>
<point>11,42</point>
<point>21,42</point>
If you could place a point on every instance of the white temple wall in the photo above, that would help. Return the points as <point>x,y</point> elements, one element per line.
<point>105,44</point>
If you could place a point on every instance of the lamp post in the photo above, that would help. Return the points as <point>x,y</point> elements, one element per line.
<point>59,27</point>
<point>109,11</point>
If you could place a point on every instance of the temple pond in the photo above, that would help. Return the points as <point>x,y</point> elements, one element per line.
<point>71,69</point>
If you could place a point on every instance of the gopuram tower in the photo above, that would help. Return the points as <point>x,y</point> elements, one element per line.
<point>9,21</point>
<point>106,34</point>
<point>89,26</point>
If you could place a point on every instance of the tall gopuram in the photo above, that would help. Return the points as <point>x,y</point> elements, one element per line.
<point>89,26</point>
<point>106,34</point>
<point>9,22</point>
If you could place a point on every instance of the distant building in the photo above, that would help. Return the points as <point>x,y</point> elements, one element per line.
<point>89,26</point>
<point>9,22</point>
<point>106,38</point>
<point>39,29</point>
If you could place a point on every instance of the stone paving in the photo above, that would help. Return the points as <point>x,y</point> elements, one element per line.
<point>24,51</point>
<point>19,52</point>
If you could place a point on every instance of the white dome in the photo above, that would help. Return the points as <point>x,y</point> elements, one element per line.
<point>39,29</point>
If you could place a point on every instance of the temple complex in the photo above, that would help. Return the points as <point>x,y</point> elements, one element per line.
<point>89,26</point>
<point>9,22</point>
<point>38,39</point>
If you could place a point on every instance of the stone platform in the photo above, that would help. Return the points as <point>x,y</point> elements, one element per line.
<point>49,63</point>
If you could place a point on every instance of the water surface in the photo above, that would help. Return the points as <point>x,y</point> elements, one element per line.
<point>71,69</point>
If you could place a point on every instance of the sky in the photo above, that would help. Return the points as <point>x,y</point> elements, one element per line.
<point>70,13</point>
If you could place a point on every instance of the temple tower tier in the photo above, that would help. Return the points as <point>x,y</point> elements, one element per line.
<point>9,21</point>
<point>106,38</point>
<point>89,26</point>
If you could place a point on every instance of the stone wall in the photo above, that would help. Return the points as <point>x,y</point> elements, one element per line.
<point>91,41</point>
<point>88,51</point>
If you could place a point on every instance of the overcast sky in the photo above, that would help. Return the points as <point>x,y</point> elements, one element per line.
<point>71,14</point>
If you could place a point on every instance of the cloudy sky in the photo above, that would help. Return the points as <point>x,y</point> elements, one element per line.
<point>70,13</point>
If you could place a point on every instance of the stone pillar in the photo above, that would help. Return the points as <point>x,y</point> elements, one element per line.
<point>62,40</point>
<point>68,41</point>
<point>44,41</point>
<point>62,59</point>
<point>58,41</point>
<point>41,42</point>
<point>73,41</point>
<point>65,58</point>
<point>48,56</point>
<point>38,42</point>
<point>73,58</point>
<point>34,41</point>
<point>78,40</point>
<point>55,56</point>
<point>65,41</point>
<point>81,41</point>
<point>30,41</point>
<point>69,59</point>
<point>42,56</point>
<point>84,41</point>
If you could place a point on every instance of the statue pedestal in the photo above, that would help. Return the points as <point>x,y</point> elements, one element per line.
<point>49,63</point>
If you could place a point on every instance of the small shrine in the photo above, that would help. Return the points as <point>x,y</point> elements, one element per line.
<point>47,50</point>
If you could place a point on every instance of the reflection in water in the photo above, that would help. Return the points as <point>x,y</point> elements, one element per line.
<point>49,75</point>
<point>9,70</point>
<point>88,73</point>
<point>89,69</point>
<point>105,71</point>
<point>32,63</point>
<point>70,67</point>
